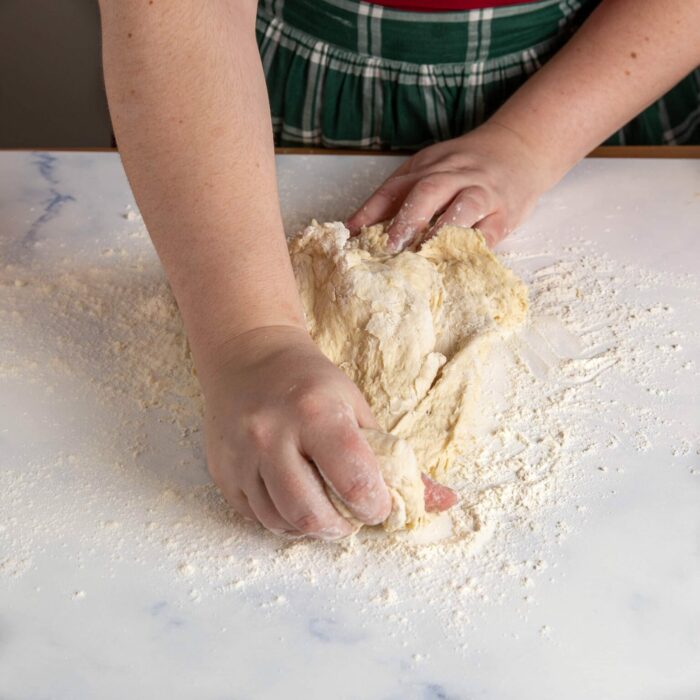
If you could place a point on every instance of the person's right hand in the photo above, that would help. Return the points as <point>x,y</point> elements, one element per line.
<point>280,420</point>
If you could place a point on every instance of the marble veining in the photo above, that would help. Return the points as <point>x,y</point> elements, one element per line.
<point>51,206</point>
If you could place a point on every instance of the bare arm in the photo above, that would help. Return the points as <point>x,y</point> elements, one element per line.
<point>625,56</point>
<point>188,99</point>
<point>189,105</point>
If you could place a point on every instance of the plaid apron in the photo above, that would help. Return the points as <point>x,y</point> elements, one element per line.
<point>350,74</point>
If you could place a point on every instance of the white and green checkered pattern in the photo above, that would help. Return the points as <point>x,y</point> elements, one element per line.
<point>343,73</point>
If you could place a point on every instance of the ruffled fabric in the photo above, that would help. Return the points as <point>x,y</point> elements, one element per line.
<point>347,74</point>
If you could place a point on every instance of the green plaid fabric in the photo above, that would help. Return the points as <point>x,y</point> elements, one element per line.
<point>349,74</point>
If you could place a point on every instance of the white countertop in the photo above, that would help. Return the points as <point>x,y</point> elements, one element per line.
<point>122,575</point>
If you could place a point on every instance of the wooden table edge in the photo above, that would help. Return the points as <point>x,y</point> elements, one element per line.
<point>601,152</point>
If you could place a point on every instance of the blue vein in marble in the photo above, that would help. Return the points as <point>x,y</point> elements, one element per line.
<point>171,620</point>
<point>158,607</point>
<point>434,691</point>
<point>51,207</point>
<point>46,164</point>
<point>328,630</point>
<point>428,691</point>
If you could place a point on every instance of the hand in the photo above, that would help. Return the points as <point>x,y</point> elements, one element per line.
<point>280,420</point>
<point>487,179</point>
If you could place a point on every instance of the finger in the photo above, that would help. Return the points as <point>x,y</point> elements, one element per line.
<point>362,216</point>
<point>233,495</point>
<point>494,228</point>
<point>265,510</point>
<point>383,204</point>
<point>469,206</point>
<point>333,442</point>
<point>430,195</point>
<point>403,169</point>
<point>238,501</point>
<point>437,496</point>
<point>297,491</point>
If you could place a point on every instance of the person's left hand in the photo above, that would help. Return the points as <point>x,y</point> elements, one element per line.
<point>487,179</point>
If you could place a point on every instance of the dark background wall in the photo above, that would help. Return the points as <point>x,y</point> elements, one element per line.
<point>51,90</point>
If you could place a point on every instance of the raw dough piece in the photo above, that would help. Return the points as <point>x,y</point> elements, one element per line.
<point>410,329</point>
<point>399,467</point>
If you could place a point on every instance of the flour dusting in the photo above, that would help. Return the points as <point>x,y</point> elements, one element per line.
<point>600,338</point>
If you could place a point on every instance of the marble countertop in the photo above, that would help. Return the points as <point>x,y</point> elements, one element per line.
<point>121,575</point>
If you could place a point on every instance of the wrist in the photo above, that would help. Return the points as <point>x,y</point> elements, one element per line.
<point>220,307</point>
<point>247,346</point>
<point>547,161</point>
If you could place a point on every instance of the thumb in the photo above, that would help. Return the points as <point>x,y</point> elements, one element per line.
<point>363,413</point>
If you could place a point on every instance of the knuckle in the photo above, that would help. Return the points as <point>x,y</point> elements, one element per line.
<point>350,442</point>
<point>487,188</point>
<point>427,187</point>
<point>260,432</point>
<point>427,157</point>
<point>308,523</point>
<point>386,191</point>
<point>357,490</point>
<point>453,162</point>
<point>310,404</point>
<point>476,194</point>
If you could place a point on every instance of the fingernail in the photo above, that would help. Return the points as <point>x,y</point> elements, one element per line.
<point>286,534</point>
<point>394,245</point>
<point>378,519</point>
<point>402,237</point>
<point>382,515</point>
<point>367,513</point>
<point>333,533</point>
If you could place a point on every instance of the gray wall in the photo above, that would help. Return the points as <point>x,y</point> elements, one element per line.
<point>51,90</point>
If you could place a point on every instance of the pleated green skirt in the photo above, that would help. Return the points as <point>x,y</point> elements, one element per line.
<point>349,74</point>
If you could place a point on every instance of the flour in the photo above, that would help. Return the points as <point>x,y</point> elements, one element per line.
<point>102,345</point>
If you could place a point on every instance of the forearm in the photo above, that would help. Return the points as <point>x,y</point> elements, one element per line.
<point>627,54</point>
<point>188,101</point>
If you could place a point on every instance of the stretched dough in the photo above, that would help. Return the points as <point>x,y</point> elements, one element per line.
<point>411,330</point>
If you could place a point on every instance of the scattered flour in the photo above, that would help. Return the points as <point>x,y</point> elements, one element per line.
<point>103,346</point>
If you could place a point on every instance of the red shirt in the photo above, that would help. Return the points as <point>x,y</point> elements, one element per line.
<point>443,5</point>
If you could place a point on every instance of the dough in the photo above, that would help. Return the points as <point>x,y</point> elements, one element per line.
<point>411,330</point>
